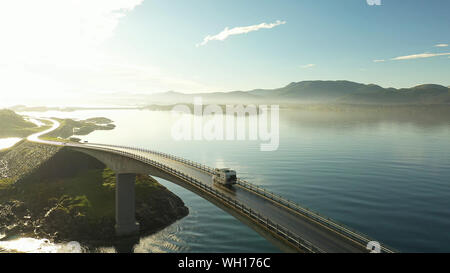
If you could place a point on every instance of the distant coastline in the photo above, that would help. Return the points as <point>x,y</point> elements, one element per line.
<point>24,108</point>
<point>292,95</point>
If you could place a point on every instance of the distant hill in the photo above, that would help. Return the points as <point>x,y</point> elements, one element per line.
<point>345,92</point>
<point>14,125</point>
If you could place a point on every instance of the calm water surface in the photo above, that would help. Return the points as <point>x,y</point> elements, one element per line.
<point>389,179</point>
<point>8,142</point>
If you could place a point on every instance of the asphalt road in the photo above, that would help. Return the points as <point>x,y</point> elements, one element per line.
<point>317,234</point>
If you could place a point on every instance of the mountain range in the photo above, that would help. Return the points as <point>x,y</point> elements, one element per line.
<point>317,92</point>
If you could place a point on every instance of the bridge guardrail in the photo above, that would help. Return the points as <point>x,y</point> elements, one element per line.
<point>265,221</point>
<point>169,156</point>
<point>357,236</point>
<point>337,227</point>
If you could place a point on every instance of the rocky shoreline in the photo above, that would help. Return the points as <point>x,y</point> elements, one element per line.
<point>68,196</point>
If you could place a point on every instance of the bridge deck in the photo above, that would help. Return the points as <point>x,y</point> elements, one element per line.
<point>317,234</point>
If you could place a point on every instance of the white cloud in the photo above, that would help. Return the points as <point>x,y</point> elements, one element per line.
<point>306,66</point>
<point>238,30</point>
<point>378,61</point>
<point>419,56</point>
<point>441,45</point>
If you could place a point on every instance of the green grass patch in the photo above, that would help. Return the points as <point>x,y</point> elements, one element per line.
<point>90,193</point>
<point>6,183</point>
<point>70,127</point>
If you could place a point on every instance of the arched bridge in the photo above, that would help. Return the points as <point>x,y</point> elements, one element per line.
<point>283,222</point>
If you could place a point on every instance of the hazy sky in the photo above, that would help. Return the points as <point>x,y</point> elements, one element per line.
<point>62,47</point>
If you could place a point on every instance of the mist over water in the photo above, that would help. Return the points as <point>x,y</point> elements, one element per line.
<point>387,177</point>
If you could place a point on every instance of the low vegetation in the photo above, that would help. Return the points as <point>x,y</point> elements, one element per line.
<point>71,196</point>
<point>100,120</point>
<point>14,125</point>
<point>70,127</point>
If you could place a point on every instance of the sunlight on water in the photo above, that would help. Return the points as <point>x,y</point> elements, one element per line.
<point>164,241</point>
<point>36,121</point>
<point>8,142</point>
<point>30,245</point>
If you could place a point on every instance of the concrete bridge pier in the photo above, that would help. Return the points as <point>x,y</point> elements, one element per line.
<point>125,205</point>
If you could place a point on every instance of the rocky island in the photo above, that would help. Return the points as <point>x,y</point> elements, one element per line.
<point>62,195</point>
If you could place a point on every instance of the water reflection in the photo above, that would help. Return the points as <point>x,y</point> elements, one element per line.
<point>8,142</point>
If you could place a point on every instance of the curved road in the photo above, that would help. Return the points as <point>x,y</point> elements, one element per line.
<point>35,137</point>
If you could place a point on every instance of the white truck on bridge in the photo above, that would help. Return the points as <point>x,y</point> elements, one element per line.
<point>224,176</point>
